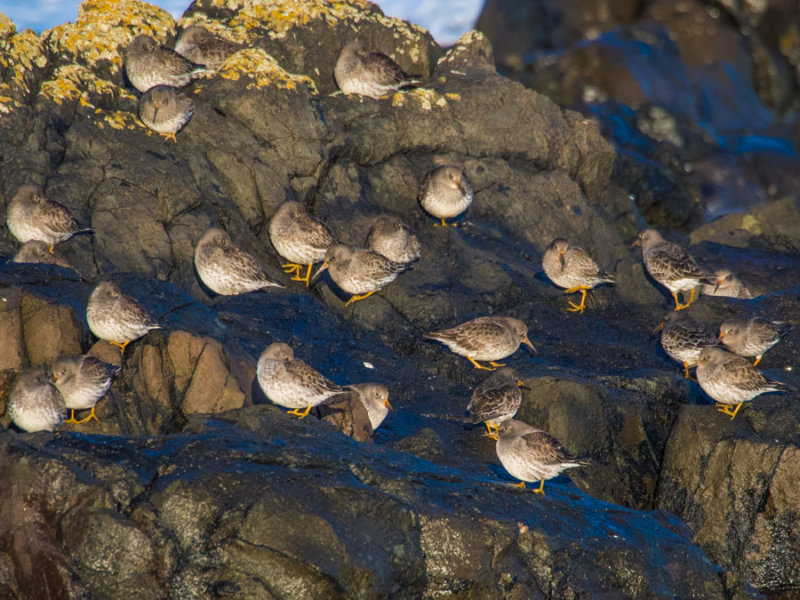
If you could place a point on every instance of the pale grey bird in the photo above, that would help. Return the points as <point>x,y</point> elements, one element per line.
<point>390,237</point>
<point>35,404</point>
<point>731,380</point>
<point>672,266</point>
<point>530,454</point>
<point>683,339</point>
<point>32,216</point>
<point>375,398</point>
<point>359,271</point>
<point>485,338</point>
<point>751,338</point>
<point>291,383</point>
<point>299,238</point>
<point>165,110</point>
<point>36,251</point>
<point>728,285</point>
<point>148,64</point>
<point>205,48</point>
<point>83,381</point>
<point>496,400</point>
<point>445,192</point>
<point>225,268</point>
<point>572,268</point>
<point>373,74</point>
<point>117,318</point>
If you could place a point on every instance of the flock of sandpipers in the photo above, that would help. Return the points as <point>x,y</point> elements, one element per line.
<point>39,398</point>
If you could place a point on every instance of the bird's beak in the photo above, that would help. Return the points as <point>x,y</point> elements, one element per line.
<point>460,186</point>
<point>561,258</point>
<point>521,384</point>
<point>386,403</point>
<point>719,283</point>
<point>155,111</point>
<point>320,270</point>
<point>638,242</point>
<point>527,342</point>
<point>720,337</point>
<point>659,328</point>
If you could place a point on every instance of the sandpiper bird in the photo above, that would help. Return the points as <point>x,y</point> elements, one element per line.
<point>291,383</point>
<point>32,216</point>
<point>728,285</point>
<point>165,110</point>
<point>495,400</point>
<point>751,338</point>
<point>731,380</point>
<point>299,238</point>
<point>372,74</point>
<point>671,266</point>
<point>116,318</point>
<point>359,271</point>
<point>390,237</point>
<point>445,192</point>
<point>683,338</point>
<point>35,404</point>
<point>225,268</point>
<point>375,398</point>
<point>148,63</point>
<point>572,268</point>
<point>485,338</point>
<point>205,48</point>
<point>530,454</point>
<point>36,251</point>
<point>83,381</point>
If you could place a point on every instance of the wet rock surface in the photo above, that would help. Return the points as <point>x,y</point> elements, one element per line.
<point>192,484</point>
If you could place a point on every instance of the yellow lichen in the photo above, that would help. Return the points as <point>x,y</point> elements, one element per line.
<point>262,69</point>
<point>119,119</point>
<point>76,82</point>
<point>426,98</point>
<point>7,27</point>
<point>21,52</point>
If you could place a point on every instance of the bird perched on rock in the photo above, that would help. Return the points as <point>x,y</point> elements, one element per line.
<point>165,110</point>
<point>375,398</point>
<point>360,71</point>
<point>299,238</point>
<point>359,271</point>
<point>485,338</point>
<point>751,338</point>
<point>731,380</point>
<point>672,266</point>
<point>530,454</point>
<point>148,64</point>
<point>291,383</point>
<point>117,318</point>
<point>572,268</point>
<point>35,404</point>
<point>202,47</point>
<point>390,237</point>
<point>36,251</point>
<point>32,216</point>
<point>683,339</point>
<point>445,192</point>
<point>728,285</point>
<point>495,400</point>
<point>83,381</point>
<point>225,268</point>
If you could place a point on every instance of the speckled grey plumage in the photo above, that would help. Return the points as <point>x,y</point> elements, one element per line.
<point>225,268</point>
<point>299,238</point>
<point>751,338</point>
<point>165,109</point>
<point>367,73</point>
<point>36,251</point>
<point>35,404</point>
<point>32,216</point>
<point>572,268</point>
<point>201,46</point>
<point>390,237</point>
<point>115,317</point>
<point>728,285</point>
<point>148,63</point>
<point>375,398</point>
<point>445,192</point>
<point>683,339</point>
<point>496,399</point>
<point>83,381</point>
<point>359,271</point>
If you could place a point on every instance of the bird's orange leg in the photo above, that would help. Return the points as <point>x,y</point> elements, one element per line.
<point>521,485</point>
<point>579,308</point>
<point>540,490</point>
<point>357,297</point>
<point>72,417</point>
<point>479,365</point>
<point>120,346</point>
<point>298,413</point>
<point>89,418</point>
<point>729,410</point>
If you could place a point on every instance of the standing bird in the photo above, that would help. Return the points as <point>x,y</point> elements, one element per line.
<point>671,266</point>
<point>728,285</point>
<point>571,268</point>
<point>359,271</point>
<point>496,400</point>
<point>205,48</point>
<point>752,337</point>
<point>485,338</point>
<point>31,216</point>
<point>390,237</point>
<point>375,398</point>
<point>373,74</point>
<point>148,64</point>
<point>683,339</point>
<point>36,251</point>
<point>530,454</point>
<point>731,380</point>
<point>83,381</point>
<point>116,318</point>
<point>225,268</point>
<point>291,383</point>
<point>299,238</point>
<point>165,110</point>
<point>35,404</point>
<point>445,192</point>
